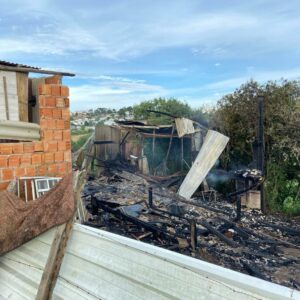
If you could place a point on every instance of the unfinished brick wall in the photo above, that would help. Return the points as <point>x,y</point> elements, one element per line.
<point>51,156</point>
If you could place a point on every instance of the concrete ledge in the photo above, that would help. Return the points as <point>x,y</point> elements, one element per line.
<point>21,131</point>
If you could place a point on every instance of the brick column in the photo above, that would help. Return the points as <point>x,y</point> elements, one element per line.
<point>51,156</point>
<point>55,128</point>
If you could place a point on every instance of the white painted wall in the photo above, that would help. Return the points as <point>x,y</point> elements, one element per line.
<point>13,105</point>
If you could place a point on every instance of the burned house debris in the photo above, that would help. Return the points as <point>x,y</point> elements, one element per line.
<point>127,185</point>
<point>170,211</point>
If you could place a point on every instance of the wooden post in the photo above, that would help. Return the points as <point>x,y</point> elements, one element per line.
<point>170,144</point>
<point>54,261</point>
<point>153,147</point>
<point>261,147</point>
<point>6,97</point>
<point>181,154</point>
<point>193,235</point>
<point>22,90</point>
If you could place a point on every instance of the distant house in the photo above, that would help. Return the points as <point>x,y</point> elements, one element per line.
<point>34,123</point>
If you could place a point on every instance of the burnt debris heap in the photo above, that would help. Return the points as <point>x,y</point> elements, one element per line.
<point>126,195</point>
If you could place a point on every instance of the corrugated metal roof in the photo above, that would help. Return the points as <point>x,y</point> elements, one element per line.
<point>10,64</point>
<point>102,265</point>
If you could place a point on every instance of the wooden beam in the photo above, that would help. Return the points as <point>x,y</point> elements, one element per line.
<point>153,146</point>
<point>22,90</point>
<point>182,155</point>
<point>54,261</point>
<point>145,126</point>
<point>6,97</point>
<point>161,135</point>
<point>213,146</point>
<point>58,247</point>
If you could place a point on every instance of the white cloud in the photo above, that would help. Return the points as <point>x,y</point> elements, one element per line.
<point>109,78</point>
<point>116,92</point>
<point>113,92</point>
<point>258,75</point>
<point>114,35</point>
<point>121,31</point>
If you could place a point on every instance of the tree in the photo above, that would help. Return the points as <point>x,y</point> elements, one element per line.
<point>172,106</point>
<point>236,116</point>
<point>122,112</point>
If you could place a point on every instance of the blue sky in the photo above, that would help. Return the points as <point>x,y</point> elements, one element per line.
<point>124,52</point>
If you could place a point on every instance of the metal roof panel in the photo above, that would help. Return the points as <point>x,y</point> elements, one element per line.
<point>103,265</point>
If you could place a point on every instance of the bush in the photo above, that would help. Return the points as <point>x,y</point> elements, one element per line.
<point>291,202</point>
<point>283,194</point>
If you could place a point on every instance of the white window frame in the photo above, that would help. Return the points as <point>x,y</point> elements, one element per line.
<point>36,191</point>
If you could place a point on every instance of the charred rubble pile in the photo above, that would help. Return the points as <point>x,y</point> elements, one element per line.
<point>207,227</point>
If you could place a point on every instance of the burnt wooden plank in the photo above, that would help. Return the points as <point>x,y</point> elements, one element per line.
<point>58,247</point>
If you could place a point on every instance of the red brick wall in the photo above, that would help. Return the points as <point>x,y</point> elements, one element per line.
<point>51,156</point>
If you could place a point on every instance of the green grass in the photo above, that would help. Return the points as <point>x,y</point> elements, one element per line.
<point>76,145</point>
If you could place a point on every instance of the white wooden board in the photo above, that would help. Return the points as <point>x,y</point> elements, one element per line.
<point>213,145</point>
<point>12,96</point>
<point>184,126</point>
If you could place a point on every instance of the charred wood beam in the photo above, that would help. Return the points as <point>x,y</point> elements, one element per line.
<point>136,221</point>
<point>259,254</point>
<point>236,193</point>
<point>193,235</point>
<point>103,142</point>
<point>194,203</point>
<point>163,135</point>
<point>279,241</point>
<point>261,146</point>
<point>203,126</point>
<point>288,230</point>
<point>238,208</point>
<point>240,231</point>
<point>154,208</point>
<point>161,113</point>
<point>271,240</point>
<point>216,210</point>
<point>263,238</point>
<point>108,162</point>
<point>165,212</point>
<point>124,138</point>
<point>220,235</point>
<point>150,197</point>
